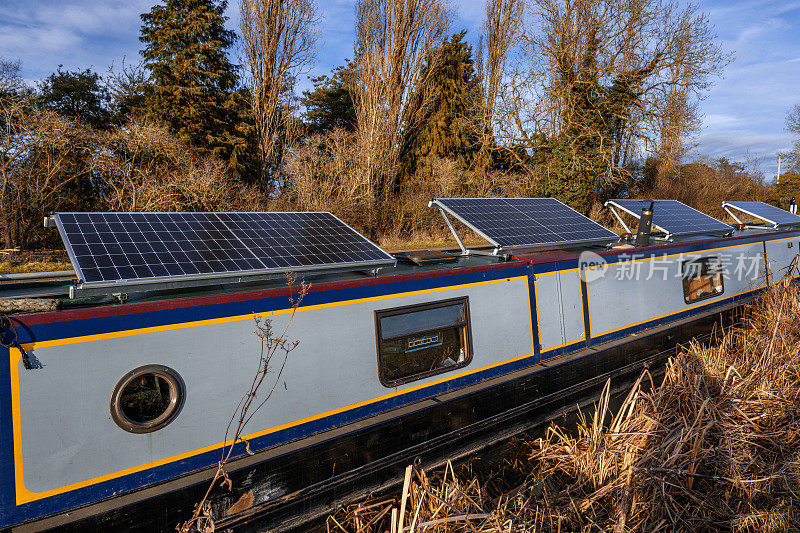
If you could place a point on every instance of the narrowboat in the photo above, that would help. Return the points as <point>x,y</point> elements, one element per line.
<point>117,402</point>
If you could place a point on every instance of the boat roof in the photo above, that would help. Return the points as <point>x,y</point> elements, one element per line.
<point>407,263</point>
<point>121,257</point>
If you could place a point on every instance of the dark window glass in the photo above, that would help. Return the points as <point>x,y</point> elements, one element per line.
<point>422,340</point>
<point>147,399</point>
<point>408,323</point>
<point>702,279</point>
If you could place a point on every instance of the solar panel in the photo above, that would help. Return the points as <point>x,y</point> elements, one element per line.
<point>114,248</point>
<point>768,213</point>
<point>521,222</point>
<point>673,217</point>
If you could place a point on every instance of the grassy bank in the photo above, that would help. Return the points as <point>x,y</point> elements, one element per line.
<point>16,261</point>
<point>714,447</point>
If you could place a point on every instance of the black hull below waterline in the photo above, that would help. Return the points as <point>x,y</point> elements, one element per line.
<point>300,485</point>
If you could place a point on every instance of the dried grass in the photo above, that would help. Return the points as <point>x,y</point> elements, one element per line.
<point>33,266</point>
<point>13,261</point>
<point>714,447</point>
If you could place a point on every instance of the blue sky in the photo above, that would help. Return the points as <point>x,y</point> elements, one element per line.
<point>743,113</point>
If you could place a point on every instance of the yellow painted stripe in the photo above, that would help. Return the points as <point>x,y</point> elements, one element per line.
<point>542,349</point>
<point>23,495</point>
<point>249,316</point>
<point>583,309</point>
<point>16,418</point>
<point>707,302</point>
<point>785,239</point>
<point>530,314</point>
<point>536,303</point>
<point>694,306</point>
<point>651,257</point>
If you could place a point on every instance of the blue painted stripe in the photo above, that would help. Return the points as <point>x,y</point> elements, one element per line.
<point>94,326</point>
<point>6,440</point>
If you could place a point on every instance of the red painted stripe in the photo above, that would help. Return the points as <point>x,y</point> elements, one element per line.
<point>180,303</point>
<point>555,256</point>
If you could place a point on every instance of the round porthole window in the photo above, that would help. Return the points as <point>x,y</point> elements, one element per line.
<point>147,398</point>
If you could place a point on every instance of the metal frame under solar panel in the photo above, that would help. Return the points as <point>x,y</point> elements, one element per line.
<point>517,248</point>
<point>93,288</point>
<point>775,225</point>
<point>613,205</point>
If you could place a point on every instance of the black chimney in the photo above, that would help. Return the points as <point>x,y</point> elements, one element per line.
<point>645,224</point>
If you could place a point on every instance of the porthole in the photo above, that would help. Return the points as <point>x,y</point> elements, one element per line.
<point>147,399</point>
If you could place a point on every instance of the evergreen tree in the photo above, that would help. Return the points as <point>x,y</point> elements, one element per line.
<point>193,81</point>
<point>580,156</point>
<point>440,121</point>
<point>786,188</point>
<point>330,104</point>
<point>244,145</point>
<point>79,95</point>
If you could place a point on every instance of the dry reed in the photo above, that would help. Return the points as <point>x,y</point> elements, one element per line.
<point>714,447</point>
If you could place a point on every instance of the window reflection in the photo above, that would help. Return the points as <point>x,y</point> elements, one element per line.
<point>423,340</point>
<point>702,279</point>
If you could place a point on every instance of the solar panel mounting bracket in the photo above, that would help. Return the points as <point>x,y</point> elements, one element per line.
<point>613,207</point>
<point>667,234</point>
<point>776,224</point>
<point>499,249</point>
<point>733,216</point>
<point>464,249</point>
<point>618,217</point>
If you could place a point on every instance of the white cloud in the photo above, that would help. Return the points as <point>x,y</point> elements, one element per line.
<point>77,34</point>
<point>719,120</point>
<point>742,145</point>
<point>745,110</point>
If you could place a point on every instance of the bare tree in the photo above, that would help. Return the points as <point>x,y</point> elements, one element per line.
<point>144,167</point>
<point>499,33</point>
<point>12,156</point>
<point>278,40</point>
<point>127,86</point>
<point>393,37</point>
<point>10,79</point>
<point>793,126</point>
<point>694,59</point>
<point>42,166</point>
<point>612,75</point>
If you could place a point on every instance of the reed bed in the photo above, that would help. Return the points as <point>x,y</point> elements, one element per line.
<point>714,447</point>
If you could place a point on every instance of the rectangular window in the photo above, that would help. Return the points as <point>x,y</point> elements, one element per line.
<point>702,279</point>
<point>418,341</point>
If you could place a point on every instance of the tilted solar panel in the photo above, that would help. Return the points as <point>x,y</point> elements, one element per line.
<point>113,248</point>
<point>768,213</point>
<point>520,222</point>
<point>673,217</point>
